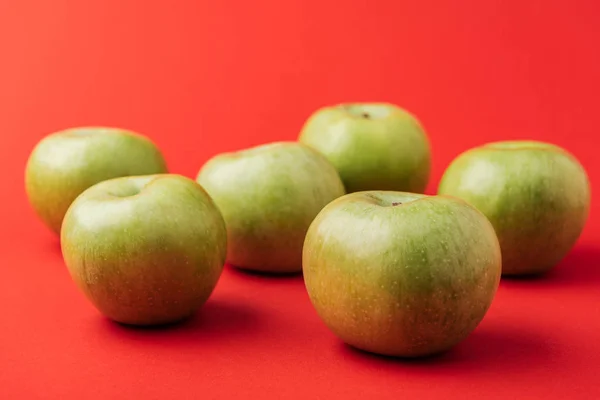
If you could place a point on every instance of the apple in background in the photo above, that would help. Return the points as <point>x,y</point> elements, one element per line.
<point>65,163</point>
<point>536,194</point>
<point>269,195</point>
<point>401,274</point>
<point>145,250</point>
<point>374,146</point>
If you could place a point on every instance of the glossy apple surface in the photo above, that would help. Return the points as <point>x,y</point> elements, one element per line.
<point>269,195</point>
<point>145,250</point>
<point>536,194</point>
<point>374,146</point>
<point>63,164</point>
<point>401,274</point>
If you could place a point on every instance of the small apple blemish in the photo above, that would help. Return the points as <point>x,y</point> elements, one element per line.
<point>396,203</point>
<point>366,115</point>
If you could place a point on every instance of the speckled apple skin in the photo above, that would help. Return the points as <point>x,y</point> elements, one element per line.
<point>401,274</point>
<point>146,250</point>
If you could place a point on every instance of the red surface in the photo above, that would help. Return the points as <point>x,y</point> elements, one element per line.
<point>201,77</point>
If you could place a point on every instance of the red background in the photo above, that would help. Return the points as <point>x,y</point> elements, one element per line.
<point>201,77</point>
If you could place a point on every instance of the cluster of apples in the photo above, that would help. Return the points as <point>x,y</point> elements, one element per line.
<point>388,268</point>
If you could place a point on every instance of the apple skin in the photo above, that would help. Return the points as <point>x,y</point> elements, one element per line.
<point>145,250</point>
<point>374,146</point>
<point>269,195</point>
<point>401,274</point>
<point>536,194</point>
<point>65,163</point>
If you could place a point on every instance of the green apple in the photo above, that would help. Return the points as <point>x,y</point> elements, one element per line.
<point>374,146</point>
<point>401,274</point>
<point>536,194</point>
<point>269,195</point>
<point>145,250</point>
<point>65,163</point>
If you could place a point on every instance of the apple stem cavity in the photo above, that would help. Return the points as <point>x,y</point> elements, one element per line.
<point>126,193</point>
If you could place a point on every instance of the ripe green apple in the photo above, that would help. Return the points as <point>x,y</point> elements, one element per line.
<point>374,146</point>
<point>536,194</point>
<point>269,195</point>
<point>145,250</point>
<point>65,163</point>
<point>401,274</point>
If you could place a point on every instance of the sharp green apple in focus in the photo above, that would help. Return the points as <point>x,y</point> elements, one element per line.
<point>374,146</point>
<point>401,274</point>
<point>536,194</point>
<point>145,250</point>
<point>65,163</point>
<point>269,195</point>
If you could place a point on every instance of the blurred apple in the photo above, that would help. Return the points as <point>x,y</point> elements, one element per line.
<point>269,195</point>
<point>374,146</point>
<point>536,194</point>
<point>63,164</point>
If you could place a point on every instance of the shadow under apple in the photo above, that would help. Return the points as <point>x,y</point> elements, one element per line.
<point>254,275</point>
<point>216,319</point>
<point>498,348</point>
<point>580,267</point>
